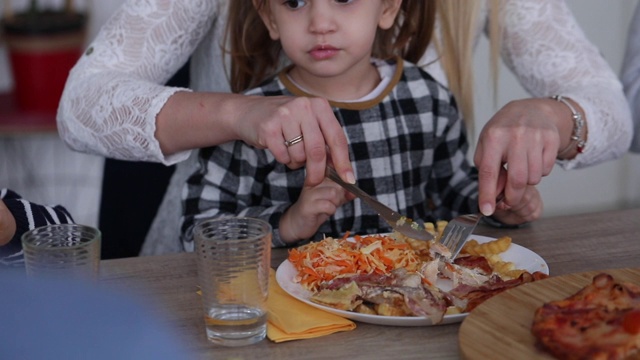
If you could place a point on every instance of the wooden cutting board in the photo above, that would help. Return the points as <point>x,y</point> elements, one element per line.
<point>500,328</point>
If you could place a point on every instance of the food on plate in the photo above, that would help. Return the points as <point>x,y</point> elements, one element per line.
<point>399,293</point>
<point>497,246</point>
<point>601,321</point>
<point>391,275</point>
<point>491,251</point>
<point>476,295</point>
<point>330,258</point>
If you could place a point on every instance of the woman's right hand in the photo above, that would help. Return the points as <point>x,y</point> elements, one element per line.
<point>274,120</point>
<point>266,122</point>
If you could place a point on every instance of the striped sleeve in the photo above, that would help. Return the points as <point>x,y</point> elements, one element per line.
<point>28,215</point>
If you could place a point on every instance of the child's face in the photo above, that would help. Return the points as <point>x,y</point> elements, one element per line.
<point>328,37</point>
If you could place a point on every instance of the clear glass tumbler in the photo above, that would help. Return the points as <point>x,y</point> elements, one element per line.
<point>234,256</point>
<point>62,250</point>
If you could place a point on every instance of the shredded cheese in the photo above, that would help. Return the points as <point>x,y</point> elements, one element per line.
<point>332,258</point>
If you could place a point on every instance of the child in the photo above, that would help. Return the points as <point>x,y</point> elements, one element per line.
<point>18,216</point>
<point>408,144</point>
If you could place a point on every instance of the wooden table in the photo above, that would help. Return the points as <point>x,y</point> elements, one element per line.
<point>569,244</point>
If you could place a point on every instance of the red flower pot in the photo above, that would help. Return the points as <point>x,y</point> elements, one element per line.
<point>42,49</point>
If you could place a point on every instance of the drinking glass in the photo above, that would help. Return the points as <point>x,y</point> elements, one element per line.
<point>67,250</point>
<point>234,257</point>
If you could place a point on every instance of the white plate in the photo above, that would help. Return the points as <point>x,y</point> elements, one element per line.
<point>522,257</point>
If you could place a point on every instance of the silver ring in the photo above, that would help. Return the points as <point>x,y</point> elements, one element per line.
<point>293,141</point>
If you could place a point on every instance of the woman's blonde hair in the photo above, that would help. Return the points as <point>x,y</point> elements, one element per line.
<point>254,56</point>
<point>458,21</point>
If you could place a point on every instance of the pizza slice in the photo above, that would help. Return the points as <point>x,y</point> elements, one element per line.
<point>601,321</point>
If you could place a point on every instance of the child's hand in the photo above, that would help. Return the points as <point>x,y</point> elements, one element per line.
<point>7,224</point>
<point>528,209</point>
<point>314,206</point>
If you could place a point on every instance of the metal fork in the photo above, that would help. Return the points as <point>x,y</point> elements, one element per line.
<point>399,223</point>
<point>455,234</point>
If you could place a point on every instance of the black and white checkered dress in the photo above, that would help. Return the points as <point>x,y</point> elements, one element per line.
<point>408,147</point>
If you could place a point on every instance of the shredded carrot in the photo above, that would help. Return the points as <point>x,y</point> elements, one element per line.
<point>333,258</point>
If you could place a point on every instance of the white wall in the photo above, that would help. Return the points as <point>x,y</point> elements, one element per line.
<point>42,169</point>
<point>610,185</point>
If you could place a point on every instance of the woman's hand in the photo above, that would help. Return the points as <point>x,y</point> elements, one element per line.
<point>275,120</point>
<point>523,137</point>
<point>314,206</point>
<point>191,120</point>
<point>7,224</point>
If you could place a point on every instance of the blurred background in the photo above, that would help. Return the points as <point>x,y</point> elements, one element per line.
<point>41,168</point>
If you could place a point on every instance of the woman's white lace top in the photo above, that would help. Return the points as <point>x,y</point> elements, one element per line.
<point>114,93</point>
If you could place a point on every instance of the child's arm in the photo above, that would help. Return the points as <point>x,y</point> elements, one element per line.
<point>235,179</point>
<point>528,209</point>
<point>314,206</point>
<point>7,224</point>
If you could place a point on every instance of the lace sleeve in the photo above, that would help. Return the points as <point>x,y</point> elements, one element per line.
<point>631,75</point>
<point>549,53</point>
<point>114,92</point>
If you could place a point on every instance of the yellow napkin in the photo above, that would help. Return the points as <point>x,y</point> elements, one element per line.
<point>291,319</point>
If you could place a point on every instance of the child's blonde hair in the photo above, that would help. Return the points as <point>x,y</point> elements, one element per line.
<point>254,56</point>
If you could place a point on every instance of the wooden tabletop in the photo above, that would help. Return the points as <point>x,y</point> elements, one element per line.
<point>570,244</point>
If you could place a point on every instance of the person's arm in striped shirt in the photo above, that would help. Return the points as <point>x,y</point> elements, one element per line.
<point>18,216</point>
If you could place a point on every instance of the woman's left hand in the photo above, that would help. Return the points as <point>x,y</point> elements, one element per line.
<point>524,137</point>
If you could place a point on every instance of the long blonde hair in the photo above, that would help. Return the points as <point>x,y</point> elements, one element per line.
<point>458,19</point>
<point>254,56</point>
